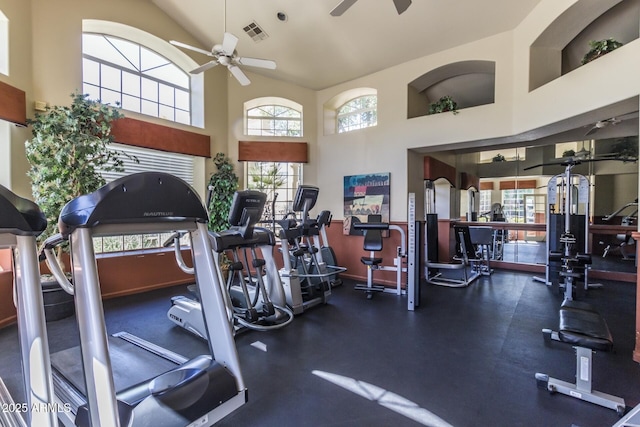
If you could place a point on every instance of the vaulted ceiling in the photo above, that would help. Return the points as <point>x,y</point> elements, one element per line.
<point>316,50</point>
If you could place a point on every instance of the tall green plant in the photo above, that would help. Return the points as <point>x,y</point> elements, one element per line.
<point>222,185</point>
<point>70,145</point>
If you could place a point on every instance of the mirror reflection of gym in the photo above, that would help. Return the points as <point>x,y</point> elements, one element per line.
<point>514,195</point>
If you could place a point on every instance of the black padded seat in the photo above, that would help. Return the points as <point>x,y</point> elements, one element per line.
<point>583,258</point>
<point>555,256</point>
<point>20,216</point>
<point>141,197</point>
<point>370,261</point>
<point>571,304</point>
<point>584,328</point>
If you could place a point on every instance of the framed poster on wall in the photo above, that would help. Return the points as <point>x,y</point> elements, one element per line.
<point>365,195</point>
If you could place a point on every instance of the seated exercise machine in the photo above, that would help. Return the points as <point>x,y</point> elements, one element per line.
<point>500,236</point>
<point>123,380</point>
<point>254,293</point>
<point>587,331</point>
<point>21,221</point>
<point>373,242</point>
<point>471,263</point>
<point>626,241</point>
<point>305,275</point>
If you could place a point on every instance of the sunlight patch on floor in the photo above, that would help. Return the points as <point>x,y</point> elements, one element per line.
<point>385,398</point>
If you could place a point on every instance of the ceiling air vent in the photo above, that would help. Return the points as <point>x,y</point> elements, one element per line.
<point>255,32</point>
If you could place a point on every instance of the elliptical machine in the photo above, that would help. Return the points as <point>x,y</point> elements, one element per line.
<point>253,291</point>
<point>305,275</point>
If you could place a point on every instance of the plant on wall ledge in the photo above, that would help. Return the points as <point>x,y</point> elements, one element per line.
<point>444,104</point>
<point>222,185</point>
<point>600,48</point>
<point>498,158</point>
<point>626,148</point>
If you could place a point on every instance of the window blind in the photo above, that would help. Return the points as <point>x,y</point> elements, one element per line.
<point>180,165</point>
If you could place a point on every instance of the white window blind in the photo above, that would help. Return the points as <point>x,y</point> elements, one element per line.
<point>180,165</point>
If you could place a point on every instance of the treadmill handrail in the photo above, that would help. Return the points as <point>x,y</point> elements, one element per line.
<point>54,264</point>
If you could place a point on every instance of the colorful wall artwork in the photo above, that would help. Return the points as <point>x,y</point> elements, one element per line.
<point>365,195</point>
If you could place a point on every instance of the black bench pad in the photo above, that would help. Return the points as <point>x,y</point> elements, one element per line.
<point>584,328</point>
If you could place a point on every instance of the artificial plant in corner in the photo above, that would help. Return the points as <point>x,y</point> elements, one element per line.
<point>444,104</point>
<point>222,185</point>
<point>70,145</point>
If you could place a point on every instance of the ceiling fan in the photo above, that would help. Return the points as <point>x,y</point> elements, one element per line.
<point>401,6</point>
<point>226,54</point>
<point>601,124</point>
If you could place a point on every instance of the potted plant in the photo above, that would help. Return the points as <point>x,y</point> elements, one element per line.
<point>222,185</point>
<point>568,153</point>
<point>600,48</point>
<point>626,148</point>
<point>444,104</point>
<point>70,145</point>
<point>498,158</point>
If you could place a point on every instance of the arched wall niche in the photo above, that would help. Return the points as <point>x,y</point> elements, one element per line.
<point>561,47</point>
<point>469,83</point>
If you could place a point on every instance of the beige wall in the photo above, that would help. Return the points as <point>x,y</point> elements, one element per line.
<point>516,110</point>
<point>45,62</point>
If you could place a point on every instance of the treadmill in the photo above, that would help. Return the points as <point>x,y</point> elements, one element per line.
<point>21,221</point>
<point>123,380</point>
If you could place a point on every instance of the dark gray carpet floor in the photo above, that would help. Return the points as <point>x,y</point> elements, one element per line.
<point>465,357</point>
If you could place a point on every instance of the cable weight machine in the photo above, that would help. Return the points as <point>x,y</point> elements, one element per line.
<point>567,231</point>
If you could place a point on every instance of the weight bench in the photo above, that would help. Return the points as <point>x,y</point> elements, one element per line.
<point>468,272</point>
<point>587,331</point>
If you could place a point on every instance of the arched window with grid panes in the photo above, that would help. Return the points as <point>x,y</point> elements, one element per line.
<point>274,120</point>
<point>144,74</point>
<point>358,113</point>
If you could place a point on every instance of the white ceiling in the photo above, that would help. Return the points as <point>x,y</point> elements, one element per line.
<point>316,50</point>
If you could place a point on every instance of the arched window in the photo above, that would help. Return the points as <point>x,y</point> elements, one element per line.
<point>140,72</point>
<point>4,44</point>
<point>120,72</point>
<point>350,110</point>
<point>145,74</point>
<point>273,116</point>
<point>358,113</point>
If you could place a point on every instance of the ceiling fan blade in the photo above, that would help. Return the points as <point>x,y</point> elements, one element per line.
<point>229,43</point>
<point>402,5</point>
<point>255,62</point>
<point>593,130</point>
<point>204,67</point>
<point>342,7</point>
<point>193,48</point>
<point>239,75</point>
